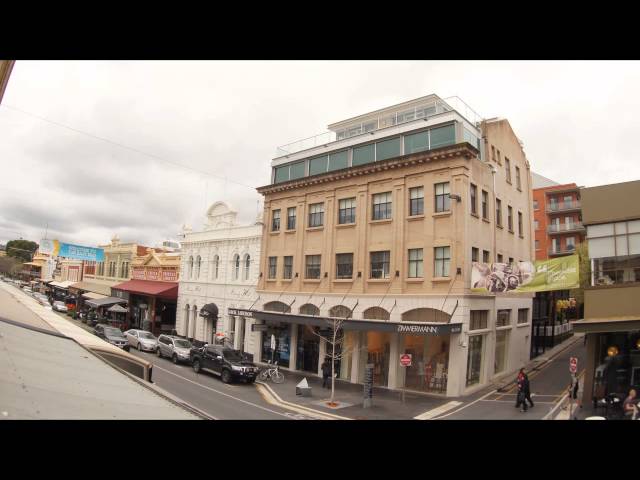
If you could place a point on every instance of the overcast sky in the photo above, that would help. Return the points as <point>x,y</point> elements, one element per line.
<point>579,121</point>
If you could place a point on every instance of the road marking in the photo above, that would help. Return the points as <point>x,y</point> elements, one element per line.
<point>276,400</point>
<point>428,415</point>
<point>222,393</point>
<point>468,405</point>
<point>511,401</point>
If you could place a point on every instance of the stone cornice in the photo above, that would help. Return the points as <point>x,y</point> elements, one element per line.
<point>465,150</point>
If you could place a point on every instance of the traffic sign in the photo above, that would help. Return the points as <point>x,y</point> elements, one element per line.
<point>573,364</point>
<point>405,359</point>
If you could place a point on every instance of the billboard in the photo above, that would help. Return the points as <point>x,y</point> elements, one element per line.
<point>543,275</point>
<point>68,250</point>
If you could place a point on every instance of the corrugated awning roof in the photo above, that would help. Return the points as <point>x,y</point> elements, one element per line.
<point>93,296</point>
<point>102,302</point>
<point>93,287</point>
<point>148,287</point>
<point>64,284</point>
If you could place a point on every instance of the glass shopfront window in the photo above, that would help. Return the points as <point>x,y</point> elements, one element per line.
<point>282,352</point>
<point>502,341</point>
<point>308,349</point>
<point>429,363</point>
<point>378,353</point>
<point>617,364</point>
<point>474,359</point>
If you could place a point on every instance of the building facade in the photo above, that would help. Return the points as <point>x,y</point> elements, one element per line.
<point>380,227</point>
<point>219,270</point>
<point>612,306</point>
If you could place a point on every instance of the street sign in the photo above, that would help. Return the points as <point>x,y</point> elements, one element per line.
<point>573,365</point>
<point>405,359</point>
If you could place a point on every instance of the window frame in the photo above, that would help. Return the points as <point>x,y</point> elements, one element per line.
<point>473,197</point>
<point>416,204</point>
<point>345,218</point>
<point>342,275</point>
<point>315,215</point>
<point>289,217</point>
<point>380,265</point>
<point>308,265</point>
<point>442,202</point>
<point>415,264</point>
<point>485,205</point>
<point>275,220</point>
<point>382,208</point>
<point>444,261</point>
<point>287,270</point>
<point>272,268</point>
<point>498,212</point>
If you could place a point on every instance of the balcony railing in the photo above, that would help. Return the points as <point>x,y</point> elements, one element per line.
<point>563,206</point>
<point>562,250</point>
<point>565,227</point>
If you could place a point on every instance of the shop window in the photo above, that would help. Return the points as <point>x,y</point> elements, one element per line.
<point>375,313</point>
<point>276,306</point>
<point>430,315</point>
<point>478,319</point>
<point>309,309</point>
<point>504,318</point>
<point>502,343</point>
<point>429,363</point>
<point>340,311</point>
<point>474,359</point>
<point>282,353</point>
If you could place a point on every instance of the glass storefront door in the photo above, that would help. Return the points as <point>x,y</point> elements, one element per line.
<point>282,352</point>
<point>308,349</point>
<point>502,341</point>
<point>474,359</point>
<point>378,353</point>
<point>429,363</point>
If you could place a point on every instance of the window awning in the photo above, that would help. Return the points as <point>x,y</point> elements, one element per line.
<point>210,310</point>
<point>100,288</point>
<point>93,296</point>
<point>64,284</point>
<point>103,302</point>
<point>118,309</point>
<point>33,264</point>
<point>148,287</point>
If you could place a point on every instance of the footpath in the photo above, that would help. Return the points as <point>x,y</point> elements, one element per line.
<point>388,404</point>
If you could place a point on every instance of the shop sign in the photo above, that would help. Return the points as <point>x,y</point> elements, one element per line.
<point>169,275</point>
<point>153,274</point>
<point>238,312</point>
<point>68,250</point>
<point>138,274</point>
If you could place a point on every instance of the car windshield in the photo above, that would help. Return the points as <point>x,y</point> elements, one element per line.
<point>182,343</point>
<point>233,355</point>
<point>146,335</point>
<point>113,332</point>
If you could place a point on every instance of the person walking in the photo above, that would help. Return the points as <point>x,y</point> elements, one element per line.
<point>527,390</point>
<point>520,395</point>
<point>326,373</point>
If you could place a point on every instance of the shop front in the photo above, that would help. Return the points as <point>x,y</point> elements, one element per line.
<point>151,304</point>
<point>430,362</point>
<point>210,315</point>
<point>281,333</point>
<point>59,291</point>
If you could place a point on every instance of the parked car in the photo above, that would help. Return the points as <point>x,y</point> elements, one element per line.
<point>42,299</point>
<point>112,335</point>
<point>27,290</point>
<point>228,363</point>
<point>176,348</point>
<point>59,306</point>
<point>142,340</point>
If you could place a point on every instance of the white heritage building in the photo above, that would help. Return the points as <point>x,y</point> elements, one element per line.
<point>219,270</point>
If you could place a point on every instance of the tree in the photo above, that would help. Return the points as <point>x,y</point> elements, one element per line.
<point>21,249</point>
<point>584,265</point>
<point>10,266</point>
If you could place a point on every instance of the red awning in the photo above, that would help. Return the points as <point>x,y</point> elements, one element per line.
<point>148,287</point>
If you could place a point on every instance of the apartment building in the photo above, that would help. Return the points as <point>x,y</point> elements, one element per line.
<point>378,222</point>
<point>611,322</point>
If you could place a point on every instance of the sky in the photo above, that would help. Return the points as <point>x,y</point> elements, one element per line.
<point>141,148</point>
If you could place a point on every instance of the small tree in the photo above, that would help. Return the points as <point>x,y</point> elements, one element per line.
<point>584,265</point>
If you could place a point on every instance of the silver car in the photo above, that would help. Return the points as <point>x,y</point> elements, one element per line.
<point>59,306</point>
<point>175,348</point>
<point>142,340</point>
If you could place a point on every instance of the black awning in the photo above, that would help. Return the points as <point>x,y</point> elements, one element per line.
<point>210,310</point>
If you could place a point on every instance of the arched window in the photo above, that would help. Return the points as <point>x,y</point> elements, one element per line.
<point>236,269</point>
<point>247,265</point>
<point>340,311</point>
<point>277,307</point>
<point>186,320</point>
<point>309,309</point>
<point>430,315</point>
<point>375,313</point>
<point>198,261</point>
<point>190,267</point>
<point>214,267</point>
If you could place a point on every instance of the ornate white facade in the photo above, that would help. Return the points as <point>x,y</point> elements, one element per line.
<point>220,265</point>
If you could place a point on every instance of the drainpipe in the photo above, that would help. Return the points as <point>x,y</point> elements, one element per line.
<point>493,174</point>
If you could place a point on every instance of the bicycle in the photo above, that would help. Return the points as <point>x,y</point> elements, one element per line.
<point>272,373</point>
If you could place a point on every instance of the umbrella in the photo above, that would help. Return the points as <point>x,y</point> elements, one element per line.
<point>118,309</point>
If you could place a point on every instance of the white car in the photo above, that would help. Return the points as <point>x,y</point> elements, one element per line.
<point>59,306</point>
<point>142,340</point>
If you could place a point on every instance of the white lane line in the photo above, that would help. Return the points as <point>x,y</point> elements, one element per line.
<point>222,393</point>
<point>469,404</point>
<point>437,411</point>
<point>511,401</point>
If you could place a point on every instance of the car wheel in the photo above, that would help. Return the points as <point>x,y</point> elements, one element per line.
<point>226,376</point>
<point>196,366</point>
<point>174,358</point>
<point>158,353</point>
<point>139,347</point>
<point>251,380</point>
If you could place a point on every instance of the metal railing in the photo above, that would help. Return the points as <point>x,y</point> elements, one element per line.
<point>565,227</point>
<point>419,112</point>
<point>562,250</point>
<point>560,207</point>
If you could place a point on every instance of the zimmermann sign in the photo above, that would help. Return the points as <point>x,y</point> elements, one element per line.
<point>429,329</point>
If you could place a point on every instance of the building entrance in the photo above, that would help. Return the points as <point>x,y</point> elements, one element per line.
<point>308,349</point>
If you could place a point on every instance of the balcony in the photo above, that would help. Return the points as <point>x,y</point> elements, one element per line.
<point>565,228</point>
<point>563,206</point>
<point>568,250</point>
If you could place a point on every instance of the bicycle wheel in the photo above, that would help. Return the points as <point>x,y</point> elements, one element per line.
<point>277,377</point>
<point>263,375</point>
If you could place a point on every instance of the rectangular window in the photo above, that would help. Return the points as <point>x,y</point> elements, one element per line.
<point>275,221</point>
<point>287,271</point>
<point>510,218</point>
<point>523,315</point>
<point>416,201</point>
<point>535,204</point>
<point>312,264</point>
<point>442,197</point>
<point>571,244</point>
<point>474,198</point>
<point>273,267</point>
<point>500,258</point>
<point>291,218</point>
<point>440,137</point>
<point>474,359</point>
<point>339,160</point>
<point>316,215</point>
<point>388,149</point>
<point>381,206</point>
<point>510,260</point>
<point>318,165</point>
<point>415,263</point>
<point>537,244</point>
<point>507,166</point>
<point>475,254</point>
<point>504,318</point>
<point>364,154</point>
<point>282,174</point>
<point>347,210</point>
<point>499,159</point>
<point>485,205</point>
<point>498,212</point>
<point>536,225</point>
<point>478,319</point>
<point>297,170</point>
<point>344,265</point>
<point>520,224</point>
<point>493,153</point>
<point>380,264</point>
<point>518,181</point>
<point>485,256</point>
<point>416,142</point>
<point>442,259</point>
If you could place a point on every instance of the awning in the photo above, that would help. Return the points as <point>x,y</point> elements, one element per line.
<point>100,288</point>
<point>210,310</point>
<point>93,296</point>
<point>64,284</point>
<point>148,287</point>
<point>610,324</point>
<point>118,309</point>
<point>33,264</point>
<point>103,302</point>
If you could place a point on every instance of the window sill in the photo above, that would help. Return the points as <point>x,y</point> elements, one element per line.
<point>474,214</point>
<point>521,236</point>
<point>311,280</point>
<point>271,279</point>
<point>512,232</point>
<point>506,327</point>
<point>311,229</point>
<point>414,280</point>
<point>441,214</point>
<point>481,331</point>
<point>378,280</point>
<point>509,182</point>
<point>486,220</point>
<point>275,233</point>
<point>523,325</point>
<point>519,189</point>
<point>415,217</point>
<point>441,279</point>
<point>500,227</point>
<point>345,225</point>
<point>342,280</point>
<point>290,231</point>
<point>288,280</point>
<point>383,220</point>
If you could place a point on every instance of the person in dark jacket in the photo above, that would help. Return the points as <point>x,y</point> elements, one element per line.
<point>326,373</point>
<point>527,391</point>
<point>523,394</point>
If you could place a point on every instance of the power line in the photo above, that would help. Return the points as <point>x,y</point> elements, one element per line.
<point>179,165</point>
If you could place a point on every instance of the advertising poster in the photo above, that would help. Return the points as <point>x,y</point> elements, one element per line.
<point>68,250</point>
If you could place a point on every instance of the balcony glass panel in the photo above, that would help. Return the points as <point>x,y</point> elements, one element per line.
<point>417,142</point>
<point>318,165</point>
<point>297,170</point>
<point>338,160</point>
<point>282,174</point>
<point>388,149</point>
<point>362,155</point>
<point>443,136</point>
